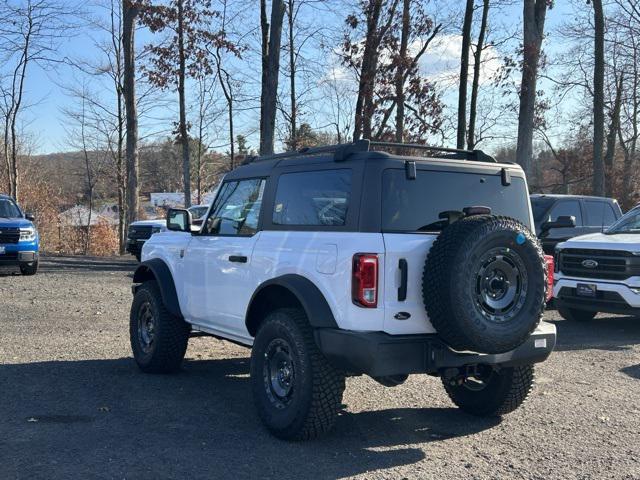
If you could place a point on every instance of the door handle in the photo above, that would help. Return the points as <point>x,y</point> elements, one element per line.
<point>404,274</point>
<point>238,258</point>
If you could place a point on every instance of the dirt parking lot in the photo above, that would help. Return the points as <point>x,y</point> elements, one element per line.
<point>74,405</point>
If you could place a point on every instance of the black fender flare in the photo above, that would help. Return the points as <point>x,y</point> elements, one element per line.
<point>305,292</point>
<point>158,270</point>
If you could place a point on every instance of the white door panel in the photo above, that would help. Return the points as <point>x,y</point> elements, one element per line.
<point>218,288</point>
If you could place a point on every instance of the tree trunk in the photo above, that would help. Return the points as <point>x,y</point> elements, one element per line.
<point>264,35</point>
<point>534,16</point>
<point>128,45</point>
<point>464,73</point>
<point>400,72</point>
<point>270,88</point>
<point>598,100</point>
<point>184,134</point>
<point>611,138</point>
<point>367,70</point>
<point>292,80</point>
<point>477,65</point>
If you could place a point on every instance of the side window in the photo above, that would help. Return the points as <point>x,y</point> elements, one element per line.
<point>599,214</point>
<point>609,215</point>
<point>237,208</point>
<point>595,213</point>
<point>319,198</point>
<point>567,208</point>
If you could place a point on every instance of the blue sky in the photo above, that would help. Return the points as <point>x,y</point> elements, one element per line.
<point>46,122</point>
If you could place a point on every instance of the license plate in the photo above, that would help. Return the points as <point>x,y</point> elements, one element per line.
<point>586,290</point>
<point>2,250</point>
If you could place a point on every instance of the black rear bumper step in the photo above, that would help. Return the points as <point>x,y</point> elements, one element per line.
<point>379,354</point>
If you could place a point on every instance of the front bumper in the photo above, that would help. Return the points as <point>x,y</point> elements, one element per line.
<point>134,247</point>
<point>18,253</point>
<point>611,297</point>
<point>379,354</point>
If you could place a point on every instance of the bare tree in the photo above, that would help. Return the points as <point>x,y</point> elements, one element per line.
<point>83,128</point>
<point>270,77</point>
<point>379,16</point>
<point>130,11</point>
<point>464,74</point>
<point>477,65</point>
<point>614,126</point>
<point>598,100</point>
<point>30,33</point>
<point>534,17</point>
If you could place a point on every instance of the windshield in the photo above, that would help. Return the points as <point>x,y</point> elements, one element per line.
<point>629,223</point>
<point>417,205</point>
<point>540,206</point>
<point>8,209</point>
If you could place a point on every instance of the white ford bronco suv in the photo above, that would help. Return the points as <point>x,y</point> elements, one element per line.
<point>347,260</point>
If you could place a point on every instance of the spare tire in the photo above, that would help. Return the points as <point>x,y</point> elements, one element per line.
<point>484,284</point>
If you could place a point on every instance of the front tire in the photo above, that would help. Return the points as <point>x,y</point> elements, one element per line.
<point>576,315</point>
<point>158,338</point>
<point>494,393</point>
<point>29,268</point>
<point>296,391</point>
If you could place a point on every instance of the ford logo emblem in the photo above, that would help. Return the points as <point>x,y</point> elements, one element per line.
<point>589,263</point>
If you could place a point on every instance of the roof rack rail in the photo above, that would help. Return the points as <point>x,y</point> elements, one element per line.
<point>455,153</point>
<point>342,151</point>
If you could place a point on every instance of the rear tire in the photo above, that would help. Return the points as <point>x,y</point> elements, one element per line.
<point>576,315</point>
<point>501,392</point>
<point>29,268</point>
<point>158,338</point>
<point>296,391</point>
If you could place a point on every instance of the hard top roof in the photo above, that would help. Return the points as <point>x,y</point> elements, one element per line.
<point>359,151</point>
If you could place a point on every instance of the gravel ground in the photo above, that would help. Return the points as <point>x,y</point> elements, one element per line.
<point>74,405</point>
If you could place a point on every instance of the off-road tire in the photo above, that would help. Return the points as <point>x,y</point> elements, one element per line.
<point>171,333</point>
<point>27,269</point>
<point>452,275</point>
<point>575,315</point>
<point>317,387</point>
<point>504,392</point>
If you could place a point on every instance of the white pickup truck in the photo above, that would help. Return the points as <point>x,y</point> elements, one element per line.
<point>600,272</point>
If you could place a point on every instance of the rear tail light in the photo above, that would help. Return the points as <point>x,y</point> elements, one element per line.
<point>550,275</point>
<point>364,282</point>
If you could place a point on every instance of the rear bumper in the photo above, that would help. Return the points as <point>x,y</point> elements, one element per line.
<point>379,354</point>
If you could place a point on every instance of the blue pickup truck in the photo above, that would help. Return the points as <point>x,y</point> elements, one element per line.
<point>19,240</point>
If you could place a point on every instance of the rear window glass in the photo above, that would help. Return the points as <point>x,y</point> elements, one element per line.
<point>415,205</point>
<point>540,206</point>
<point>319,198</point>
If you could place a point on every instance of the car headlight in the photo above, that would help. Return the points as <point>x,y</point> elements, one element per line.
<point>27,234</point>
<point>156,230</point>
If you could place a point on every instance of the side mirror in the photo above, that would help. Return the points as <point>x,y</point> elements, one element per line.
<point>30,217</point>
<point>564,221</point>
<point>178,220</point>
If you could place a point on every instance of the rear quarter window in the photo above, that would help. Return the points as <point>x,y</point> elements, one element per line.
<point>316,198</point>
<point>412,205</point>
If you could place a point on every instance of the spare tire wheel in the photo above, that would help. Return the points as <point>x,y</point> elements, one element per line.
<point>484,284</point>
